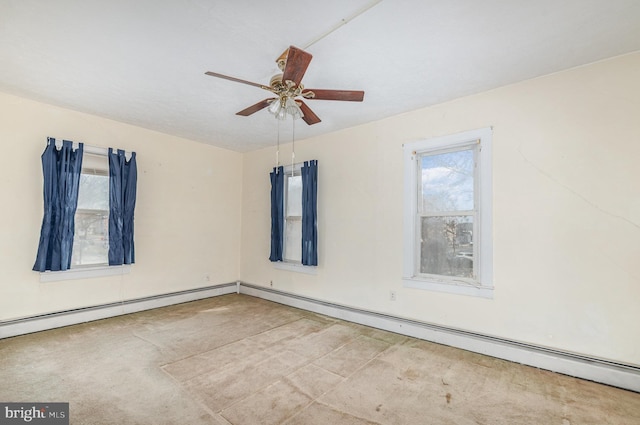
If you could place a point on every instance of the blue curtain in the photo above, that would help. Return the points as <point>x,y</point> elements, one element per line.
<point>309,173</point>
<point>61,171</point>
<point>277,213</point>
<point>123,177</point>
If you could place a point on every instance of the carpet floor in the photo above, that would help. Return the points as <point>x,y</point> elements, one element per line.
<point>241,360</point>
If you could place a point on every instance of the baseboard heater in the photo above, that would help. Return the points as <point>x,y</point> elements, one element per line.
<point>59,319</point>
<point>620,375</point>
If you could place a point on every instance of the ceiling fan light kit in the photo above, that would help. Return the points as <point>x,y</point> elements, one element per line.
<point>287,87</point>
<point>284,106</point>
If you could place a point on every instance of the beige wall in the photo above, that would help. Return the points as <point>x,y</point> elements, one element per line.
<point>566,212</point>
<point>187,221</point>
<point>566,167</point>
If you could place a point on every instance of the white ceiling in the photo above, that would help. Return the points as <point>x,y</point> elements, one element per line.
<point>143,61</point>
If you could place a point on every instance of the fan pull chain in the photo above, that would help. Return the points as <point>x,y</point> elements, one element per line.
<point>293,146</point>
<point>278,148</point>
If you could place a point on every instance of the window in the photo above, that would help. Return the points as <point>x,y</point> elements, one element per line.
<point>91,238</point>
<point>293,235</point>
<point>89,256</point>
<point>447,214</point>
<point>102,231</point>
<point>292,249</point>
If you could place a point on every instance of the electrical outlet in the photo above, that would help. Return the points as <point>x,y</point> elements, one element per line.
<point>271,283</point>
<point>392,295</point>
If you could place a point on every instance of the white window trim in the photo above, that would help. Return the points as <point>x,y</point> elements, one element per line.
<point>484,286</point>
<point>295,267</point>
<point>93,170</point>
<point>294,170</point>
<point>84,273</point>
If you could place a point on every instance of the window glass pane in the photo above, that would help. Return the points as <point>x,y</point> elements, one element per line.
<point>293,240</point>
<point>446,246</point>
<point>447,181</point>
<point>294,196</point>
<point>93,193</point>
<point>91,238</point>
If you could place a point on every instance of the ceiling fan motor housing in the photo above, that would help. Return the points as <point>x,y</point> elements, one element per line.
<point>276,81</point>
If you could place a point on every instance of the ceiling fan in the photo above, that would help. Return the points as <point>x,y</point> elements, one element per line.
<point>287,86</point>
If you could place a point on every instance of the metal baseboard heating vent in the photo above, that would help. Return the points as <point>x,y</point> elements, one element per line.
<point>620,375</point>
<point>81,315</point>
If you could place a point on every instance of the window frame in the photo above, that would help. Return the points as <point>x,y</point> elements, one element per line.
<point>290,171</point>
<point>95,169</point>
<point>287,264</point>
<point>90,270</point>
<point>482,284</point>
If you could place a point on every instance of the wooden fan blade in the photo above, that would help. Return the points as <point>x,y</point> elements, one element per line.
<point>297,63</point>
<point>237,80</point>
<point>350,95</point>
<point>255,108</point>
<point>309,116</point>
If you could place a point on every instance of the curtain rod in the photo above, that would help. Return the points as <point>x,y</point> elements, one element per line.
<point>95,150</point>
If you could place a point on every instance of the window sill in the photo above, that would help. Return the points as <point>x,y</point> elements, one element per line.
<point>295,267</point>
<point>85,273</point>
<point>449,287</point>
